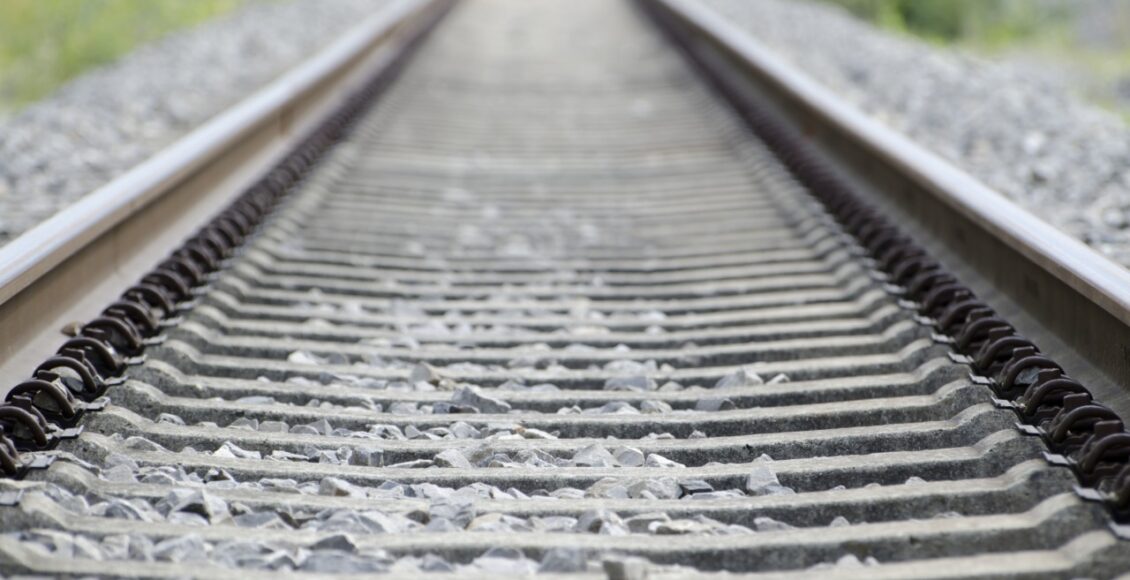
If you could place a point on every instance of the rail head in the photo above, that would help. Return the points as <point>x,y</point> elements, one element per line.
<point>1090,273</point>
<point>74,263</point>
<point>1094,331</point>
<point>26,258</point>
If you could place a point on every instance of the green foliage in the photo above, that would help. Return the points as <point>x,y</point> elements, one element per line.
<point>991,23</point>
<point>1088,38</point>
<point>43,43</point>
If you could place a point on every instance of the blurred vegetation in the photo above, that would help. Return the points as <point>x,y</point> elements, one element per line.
<point>44,43</point>
<point>984,22</point>
<point>1086,43</point>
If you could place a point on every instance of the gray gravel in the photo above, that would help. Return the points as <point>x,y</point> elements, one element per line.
<point>337,449</point>
<point>194,499</point>
<point>1020,132</point>
<point>110,119</point>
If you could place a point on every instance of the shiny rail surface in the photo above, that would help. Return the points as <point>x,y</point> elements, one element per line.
<point>549,307</point>
<point>1075,301</point>
<point>72,265</point>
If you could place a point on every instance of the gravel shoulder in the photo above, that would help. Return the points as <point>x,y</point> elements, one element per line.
<point>1019,132</point>
<point>110,119</point>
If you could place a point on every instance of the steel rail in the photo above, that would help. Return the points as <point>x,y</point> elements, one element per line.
<point>1076,301</point>
<point>74,263</point>
<point>633,339</point>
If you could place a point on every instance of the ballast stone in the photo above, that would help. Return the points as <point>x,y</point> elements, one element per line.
<point>473,396</point>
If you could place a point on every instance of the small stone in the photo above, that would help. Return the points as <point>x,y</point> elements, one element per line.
<point>496,522</point>
<point>115,546</point>
<point>839,522</point>
<point>267,520</point>
<point>256,400</point>
<point>594,455</point>
<point>212,508</point>
<point>273,427</point>
<point>463,430</point>
<point>142,444</point>
<point>563,560</point>
<point>657,460</point>
<point>659,488</point>
<point>621,568</point>
<point>158,478</point>
<point>434,563</point>
<point>458,510</point>
<point>186,548</point>
<point>528,433</point>
<point>119,474</point>
<point>473,396</point>
<point>343,542</point>
<point>369,456</point>
<point>743,377</point>
<point>303,357</point>
<point>601,522</point>
<point>423,373</point>
<point>694,486</point>
<point>715,405</point>
<point>437,525</point>
<point>170,419</point>
<point>140,547</point>
<point>505,562</point>
<point>767,524</point>
<point>722,494</point>
<point>322,427</point>
<point>650,407</point>
<point>216,474</point>
<point>175,497</point>
<point>553,523</point>
<point>760,479</point>
<point>73,503</point>
<point>422,490</point>
<point>486,522</point>
<point>638,383</point>
<point>186,519</point>
<point>414,464</point>
<point>231,450</point>
<point>641,524</point>
<point>126,510</point>
<point>615,408</point>
<point>608,488</point>
<point>280,455</point>
<point>333,486</point>
<point>329,456</point>
<point>378,522</point>
<point>628,456</point>
<point>337,562</point>
<point>680,527</point>
<point>247,423</point>
<point>452,458</point>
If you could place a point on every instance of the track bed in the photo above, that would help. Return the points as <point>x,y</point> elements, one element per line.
<point>550,307</point>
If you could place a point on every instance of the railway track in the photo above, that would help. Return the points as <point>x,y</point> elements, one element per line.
<point>538,301</point>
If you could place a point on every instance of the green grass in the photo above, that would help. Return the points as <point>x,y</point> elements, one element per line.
<point>44,43</point>
<point>987,23</point>
<point>1043,31</point>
